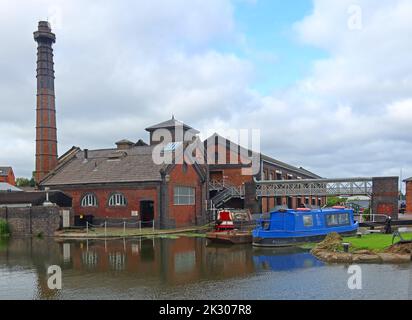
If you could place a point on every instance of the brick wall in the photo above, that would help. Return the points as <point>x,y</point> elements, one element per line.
<point>10,179</point>
<point>32,220</point>
<point>409,197</point>
<point>385,196</point>
<point>134,195</point>
<point>184,215</point>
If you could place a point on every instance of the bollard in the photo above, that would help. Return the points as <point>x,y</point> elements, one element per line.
<point>105,229</point>
<point>124,228</point>
<point>87,227</point>
<point>346,247</point>
<point>153,226</point>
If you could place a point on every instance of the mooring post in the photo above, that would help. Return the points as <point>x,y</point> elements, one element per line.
<point>140,226</point>
<point>105,229</point>
<point>153,226</point>
<point>124,227</point>
<point>87,227</point>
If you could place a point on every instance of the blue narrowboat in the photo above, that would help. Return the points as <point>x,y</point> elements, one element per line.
<point>291,227</point>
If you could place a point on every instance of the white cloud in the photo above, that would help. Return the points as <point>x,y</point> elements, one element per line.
<point>124,65</point>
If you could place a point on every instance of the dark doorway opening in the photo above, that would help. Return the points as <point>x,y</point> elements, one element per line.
<point>147,213</point>
<point>290,202</point>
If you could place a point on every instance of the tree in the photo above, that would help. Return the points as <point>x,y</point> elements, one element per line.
<point>24,182</point>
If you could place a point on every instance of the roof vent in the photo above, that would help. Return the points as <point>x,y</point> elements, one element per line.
<point>117,155</point>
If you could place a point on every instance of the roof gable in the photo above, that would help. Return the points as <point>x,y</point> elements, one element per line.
<point>4,171</point>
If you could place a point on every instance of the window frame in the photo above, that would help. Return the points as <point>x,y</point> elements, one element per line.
<point>117,203</point>
<point>178,196</point>
<point>338,220</point>
<point>87,197</point>
<point>311,221</point>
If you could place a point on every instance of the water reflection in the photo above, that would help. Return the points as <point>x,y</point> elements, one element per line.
<point>134,265</point>
<point>285,259</point>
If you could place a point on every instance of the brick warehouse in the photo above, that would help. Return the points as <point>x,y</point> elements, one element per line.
<point>408,195</point>
<point>125,182</point>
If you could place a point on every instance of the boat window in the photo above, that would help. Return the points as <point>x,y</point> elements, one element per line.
<point>308,221</point>
<point>344,218</point>
<point>332,220</point>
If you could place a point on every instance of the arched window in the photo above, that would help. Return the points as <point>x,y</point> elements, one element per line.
<point>117,199</point>
<point>89,200</point>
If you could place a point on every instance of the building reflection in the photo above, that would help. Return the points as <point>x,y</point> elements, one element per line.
<point>125,264</point>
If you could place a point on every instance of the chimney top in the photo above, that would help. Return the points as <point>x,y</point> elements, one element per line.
<point>44,33</point>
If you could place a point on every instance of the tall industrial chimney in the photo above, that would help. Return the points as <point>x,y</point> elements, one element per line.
<point>46,136</point>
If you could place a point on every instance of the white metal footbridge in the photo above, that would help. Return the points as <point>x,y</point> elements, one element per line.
<point>316,187</point>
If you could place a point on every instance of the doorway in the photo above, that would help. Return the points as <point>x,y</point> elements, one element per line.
<point>147,213</point>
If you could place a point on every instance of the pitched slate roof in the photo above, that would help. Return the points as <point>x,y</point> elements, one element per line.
<point>269,159</point>
<point>289,167</point>
<point>4,171</point>
<point>107,166</point>
<point>170,124</point>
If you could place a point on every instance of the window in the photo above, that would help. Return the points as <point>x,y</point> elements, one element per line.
<point>332,220</point>
<point>308,221</point>
<point>184,196</point>
<point>89,200</point>
<point>117,200</point>
<point>344,218</point>
<point>337,219</point>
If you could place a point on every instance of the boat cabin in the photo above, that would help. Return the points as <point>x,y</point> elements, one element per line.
<point>224,221</point>
<point>307,219</point>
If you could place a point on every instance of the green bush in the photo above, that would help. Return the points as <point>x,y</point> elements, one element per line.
<point>334,201</point>
<point>4,228</point>
<point>366,214</point>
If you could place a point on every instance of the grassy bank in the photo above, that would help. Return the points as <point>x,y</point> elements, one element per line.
<point>374,242</point>
<point>4,228</point>
<point>377,242</point>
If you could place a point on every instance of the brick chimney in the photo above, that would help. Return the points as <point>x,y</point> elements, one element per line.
<point>46,136</point>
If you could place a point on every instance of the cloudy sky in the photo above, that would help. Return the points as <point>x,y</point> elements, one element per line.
<point>328,83</point>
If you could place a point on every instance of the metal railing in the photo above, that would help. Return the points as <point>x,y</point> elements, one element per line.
<point>314,187</point>
<point>123,224</point>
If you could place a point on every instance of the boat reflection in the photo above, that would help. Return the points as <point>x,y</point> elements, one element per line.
<point>286,259</point>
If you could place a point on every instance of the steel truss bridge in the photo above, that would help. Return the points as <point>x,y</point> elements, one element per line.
<point>317,187</point>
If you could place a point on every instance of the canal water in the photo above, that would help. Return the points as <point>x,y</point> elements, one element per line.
<point>184,268</point>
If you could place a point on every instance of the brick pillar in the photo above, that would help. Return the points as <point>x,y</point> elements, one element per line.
<point>46,136</point>
<point>385,196</point>
<point>251,202</point>
<point>409,197</point>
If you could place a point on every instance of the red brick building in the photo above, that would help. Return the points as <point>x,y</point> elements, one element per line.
<point>125,183</point>
<point>7,175</point>
<point>223,174</point>
<point>408,195</point>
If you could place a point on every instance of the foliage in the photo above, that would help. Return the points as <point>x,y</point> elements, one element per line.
<point>24,182</point>
<point>334,201</point>
<point>4,228</point>
<point>366,214</point>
